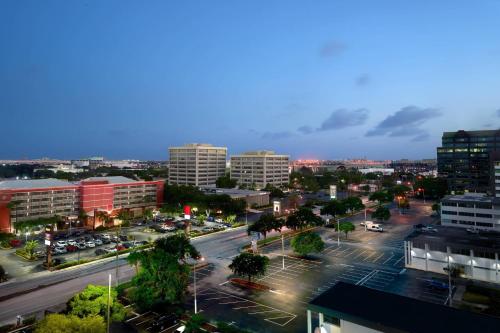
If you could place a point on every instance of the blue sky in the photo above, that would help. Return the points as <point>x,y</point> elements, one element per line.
<point>314,79</point>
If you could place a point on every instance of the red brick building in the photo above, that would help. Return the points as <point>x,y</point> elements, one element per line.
<point>22,200</point>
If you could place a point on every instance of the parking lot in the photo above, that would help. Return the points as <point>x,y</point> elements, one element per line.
<point>362,254</point>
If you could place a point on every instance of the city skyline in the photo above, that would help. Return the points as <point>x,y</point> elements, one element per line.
<point>322,80</point>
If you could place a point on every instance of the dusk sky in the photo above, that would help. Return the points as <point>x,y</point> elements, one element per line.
<point>313,79</point>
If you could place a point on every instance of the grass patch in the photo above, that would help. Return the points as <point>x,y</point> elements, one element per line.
<point>23,254</point>
<point>473,297</point>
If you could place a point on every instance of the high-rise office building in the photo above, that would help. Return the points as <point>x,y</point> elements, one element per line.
<point>466,159</point>
<point>196,164</point>
<point>260,168</point>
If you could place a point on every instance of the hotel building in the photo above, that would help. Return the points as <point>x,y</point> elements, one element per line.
<point>22,200</point>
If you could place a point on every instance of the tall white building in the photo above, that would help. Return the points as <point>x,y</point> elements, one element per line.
<point>260,168</point>
<point>196,164</point>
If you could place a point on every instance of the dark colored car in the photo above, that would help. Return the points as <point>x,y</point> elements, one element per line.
<point>71,248</point>
<point>105,240</point>
<point>164,322</point>
<point>123,238</point>
<point>100,252</point>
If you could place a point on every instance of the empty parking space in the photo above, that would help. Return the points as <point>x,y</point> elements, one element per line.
<point>364,255</point>
<point>215,299</point>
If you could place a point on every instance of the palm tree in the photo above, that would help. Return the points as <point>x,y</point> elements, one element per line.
<point>134,258</point>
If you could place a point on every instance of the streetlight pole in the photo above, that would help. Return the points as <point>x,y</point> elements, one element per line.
<point>449,282</point>
<point>283,250</point>
<point>338,232</point>
<point>109,302</point>
<point>194,285</point>
<point>423,194</point>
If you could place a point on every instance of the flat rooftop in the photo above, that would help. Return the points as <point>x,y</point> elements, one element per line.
<point>23,184</point>
<point>111,180</point>
<point>388,312</point>
<point>472,197</point>
<point>454,237</point>
<point>234,192</point>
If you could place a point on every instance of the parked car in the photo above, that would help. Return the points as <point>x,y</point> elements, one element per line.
<point>105,240</point>
<point>164,322</point>
<point>367,223</point>
<point>168,227</point>
<point>81,246</point>
<point>472,230</point>
<point>100,252</point>
<point>120,247</point>
<point>115,239</point>
<point>60,250</point>
<point>98,242</point>
<point>207,229</point>
<point>429,229</point>
<point>110,249</point>
<point>105,236</point>
<point>89,244</point>
<point>71,248</point>
<point>374,227</point>
<point>71,242</point>
<point>61,243</point>
<point>123,238</point>
<point>54,262</point>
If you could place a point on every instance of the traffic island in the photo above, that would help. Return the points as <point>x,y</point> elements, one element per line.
<point>249,285</point>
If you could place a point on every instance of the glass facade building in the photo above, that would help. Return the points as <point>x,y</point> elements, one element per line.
<point>466,159</point>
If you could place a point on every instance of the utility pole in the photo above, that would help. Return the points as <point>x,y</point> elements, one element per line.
<point>450,289</point>
<point>109,302</point>
<point>338,232</point>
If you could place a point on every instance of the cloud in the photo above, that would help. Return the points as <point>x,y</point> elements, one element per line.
<point>305,129</point>
<point>343,118</point>
<point>276,135</point>
<point>332,48</point>
<point>363,80</point>
<point>405,122</point>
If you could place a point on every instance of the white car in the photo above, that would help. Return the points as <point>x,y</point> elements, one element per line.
<point>367,223</point>
<point>110,249</point>
<point>61,243</point>
<point>374,227</point>
<point>472,230</point>
<point>89,244</point>
<point>97,241</point>
<point>429,229</point>
<point>71,242</point>
<point>106,236</point>
<point>168,228</point>
<point>60,250</point>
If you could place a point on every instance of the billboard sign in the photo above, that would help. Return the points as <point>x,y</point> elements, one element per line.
<point>333,191</point>
<point>187,212</point>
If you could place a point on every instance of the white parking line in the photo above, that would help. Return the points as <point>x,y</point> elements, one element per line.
<point>385,262</point>
<point>402,257</point>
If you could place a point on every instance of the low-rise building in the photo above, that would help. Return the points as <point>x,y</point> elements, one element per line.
<point>474,256</point>
<point>22,200</point>
<point>471,210</point>
<point>252,198</point>
<point>349,308</point>
<point>260,168</point>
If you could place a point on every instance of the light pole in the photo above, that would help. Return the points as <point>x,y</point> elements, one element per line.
<point>283,250</point>
<point>338,232</point>
<point>423,193</point>
<point>194,285</point>
<point>109,302</point>
<point>449,282</point>
<point>399,204</point>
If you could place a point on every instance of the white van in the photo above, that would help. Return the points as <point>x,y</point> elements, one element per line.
<point>367,223</point>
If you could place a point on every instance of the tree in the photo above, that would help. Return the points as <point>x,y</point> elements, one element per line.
<point>93,301</point>
<point>250,265</point>
<point>302,218</point>
<point>436,207</point>
<point>399,190</point>
<point>353,203</point>
<point>274,191</point>
<point>104,217</point>
<point>231,218</point>
<point>148,213</point>
<point>265,224</point>
<point>345,227</point>
<point>134,258</point>
<point>293,200</point>
<point>381,197</point>
<point>381,213</point>
<point>333,208</point>
<point>164,273</point>
<point>195,323</point>
<point>179,246</point>
<point>30,247</point>
<point>434,188</point>
<point>225,182</point>
<point>307,242</point>
<point>59,323</point>
<point>3,274</point>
